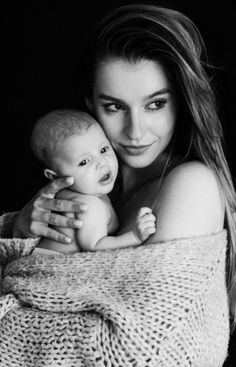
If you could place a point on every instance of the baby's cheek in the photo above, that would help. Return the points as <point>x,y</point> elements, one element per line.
<point>89,180</point>
<point>80,183</point>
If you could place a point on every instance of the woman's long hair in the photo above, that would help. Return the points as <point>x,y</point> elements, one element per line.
<point>135,32</point>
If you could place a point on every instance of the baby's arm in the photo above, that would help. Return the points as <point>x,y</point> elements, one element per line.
<point>144,228</point>
<point>94,234</point>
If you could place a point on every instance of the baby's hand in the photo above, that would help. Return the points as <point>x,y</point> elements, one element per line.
<point>145,224</point>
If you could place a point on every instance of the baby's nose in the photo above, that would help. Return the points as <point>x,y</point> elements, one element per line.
<point>101,163</point>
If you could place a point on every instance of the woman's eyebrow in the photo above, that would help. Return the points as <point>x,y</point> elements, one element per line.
<point>159,92</point>
<point>118,100</point>
<point>109,98</point>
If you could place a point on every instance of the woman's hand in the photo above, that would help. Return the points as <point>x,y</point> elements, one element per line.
<point>34,218</point>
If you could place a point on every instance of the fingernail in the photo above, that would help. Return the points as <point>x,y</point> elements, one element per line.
<point>77,223</point>
<point>70,180</point>
<point>68,239</point>
<point>83,207</point>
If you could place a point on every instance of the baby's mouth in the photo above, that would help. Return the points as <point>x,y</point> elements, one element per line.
<point>106,178</point>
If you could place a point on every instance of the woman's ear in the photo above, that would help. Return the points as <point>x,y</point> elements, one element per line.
<point>51,175</point>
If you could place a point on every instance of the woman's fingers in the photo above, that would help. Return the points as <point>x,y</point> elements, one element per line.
<point>55,186</point>
<point>52,234</point>
<point>55,219</point>
<point>42,210</point>
<point>59,205</point>
<point>46,198</point>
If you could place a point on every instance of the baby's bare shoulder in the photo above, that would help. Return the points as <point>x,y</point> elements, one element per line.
<point>96,215</point>
<point>75,196</point>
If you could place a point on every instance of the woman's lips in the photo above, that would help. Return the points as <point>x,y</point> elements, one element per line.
<point>135,149</point>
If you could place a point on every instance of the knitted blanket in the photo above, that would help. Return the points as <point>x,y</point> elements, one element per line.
<point>158,305</point>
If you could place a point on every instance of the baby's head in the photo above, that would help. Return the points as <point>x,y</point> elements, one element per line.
<point>72,143</point>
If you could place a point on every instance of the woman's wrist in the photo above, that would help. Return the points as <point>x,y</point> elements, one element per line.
<point>19,228</point>
<point>7,222</point>
<point>16,232</point>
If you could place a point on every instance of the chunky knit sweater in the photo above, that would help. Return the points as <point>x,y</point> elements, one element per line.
<point>158,305</point>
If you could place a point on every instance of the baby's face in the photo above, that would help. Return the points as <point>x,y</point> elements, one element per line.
<point>90,159</point>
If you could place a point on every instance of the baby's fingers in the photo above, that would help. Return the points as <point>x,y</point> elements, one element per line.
<point>148,225</point>
<point>150,230</point>
<point>143,211</point>
<point>147,218</point>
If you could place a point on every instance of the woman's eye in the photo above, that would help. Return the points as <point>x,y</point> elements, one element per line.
<point>104,149</point>
<point>113,107</point>
<point>156,105</point>
<point>84,162</point>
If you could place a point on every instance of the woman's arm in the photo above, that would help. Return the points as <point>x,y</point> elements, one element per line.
<point>190,203</point>
<point>44,209</point>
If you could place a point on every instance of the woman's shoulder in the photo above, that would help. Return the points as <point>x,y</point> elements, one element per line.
<point>194,171</point>
<point>194,178</point>
<point>190,202</point>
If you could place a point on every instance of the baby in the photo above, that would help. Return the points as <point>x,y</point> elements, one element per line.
<point>72,143</point>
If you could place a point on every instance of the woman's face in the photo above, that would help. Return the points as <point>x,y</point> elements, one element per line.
<point>136,106</point>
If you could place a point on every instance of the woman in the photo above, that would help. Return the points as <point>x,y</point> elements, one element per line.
<point>145,83</point>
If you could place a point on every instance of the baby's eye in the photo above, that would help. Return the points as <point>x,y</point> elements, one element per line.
<point>105,149</point>
<point>156,105</point>
<point>84,162</point>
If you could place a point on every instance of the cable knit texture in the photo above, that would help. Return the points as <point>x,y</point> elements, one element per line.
<point>158,305</point>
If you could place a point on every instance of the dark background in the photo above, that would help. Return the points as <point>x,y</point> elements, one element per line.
<point>44,41</point>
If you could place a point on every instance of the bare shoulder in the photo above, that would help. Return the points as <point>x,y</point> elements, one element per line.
<point>97,209</point>
<point>194,175</point>
<point>190,203</point>
<point>68,195</point>
<point>76,196</point>
<point>95,204</point>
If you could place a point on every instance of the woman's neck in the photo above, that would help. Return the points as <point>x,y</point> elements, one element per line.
<point>132,179</point>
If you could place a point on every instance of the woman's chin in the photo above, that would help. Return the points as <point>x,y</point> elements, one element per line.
<point>140,161</point>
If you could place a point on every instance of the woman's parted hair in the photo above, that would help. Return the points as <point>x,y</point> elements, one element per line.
<point>141,31</point>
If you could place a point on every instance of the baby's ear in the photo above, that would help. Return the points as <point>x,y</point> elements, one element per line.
<point>51,175</point>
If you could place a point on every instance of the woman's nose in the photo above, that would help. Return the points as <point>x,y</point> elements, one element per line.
<point>134,126</point>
